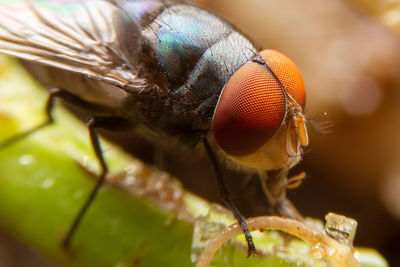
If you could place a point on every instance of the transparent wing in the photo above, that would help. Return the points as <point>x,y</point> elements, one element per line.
<point>77,36</point>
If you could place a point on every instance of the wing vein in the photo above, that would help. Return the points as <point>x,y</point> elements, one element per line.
<point>81,39</point>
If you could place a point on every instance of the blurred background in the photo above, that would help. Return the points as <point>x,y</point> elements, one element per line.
<point>349,55</point>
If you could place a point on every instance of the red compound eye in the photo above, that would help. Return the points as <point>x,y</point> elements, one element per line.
<point>287,73</point>
<point>250,110</point>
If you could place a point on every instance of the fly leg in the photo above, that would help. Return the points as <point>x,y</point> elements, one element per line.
<point>274,184</point>
<point>53,93</point>
<point>226,197</point>
<point>94,139</point>
<point>114,123</point>
<point>111,123</point>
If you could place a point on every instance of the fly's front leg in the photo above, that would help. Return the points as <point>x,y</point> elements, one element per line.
<point>53,93</point>
<point>226,197</point>
<point>274,184</point>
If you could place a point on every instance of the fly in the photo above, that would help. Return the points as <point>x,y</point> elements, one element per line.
<point>172,73</point>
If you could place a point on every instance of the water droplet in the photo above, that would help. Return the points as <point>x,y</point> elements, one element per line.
<point>130,180</point>
<point>85,161</point>
<point>318,251</point>
<point>133,169</point>
<point>341,228</point>
<point>25,159</point>
<point>49,182</point>
<point>78,194</point>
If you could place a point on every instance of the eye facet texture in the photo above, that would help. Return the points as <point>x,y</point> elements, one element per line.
<point>250,110</point>
<point>287,73</point>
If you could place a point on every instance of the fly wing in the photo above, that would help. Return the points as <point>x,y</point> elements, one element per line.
<point>78,36</point>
